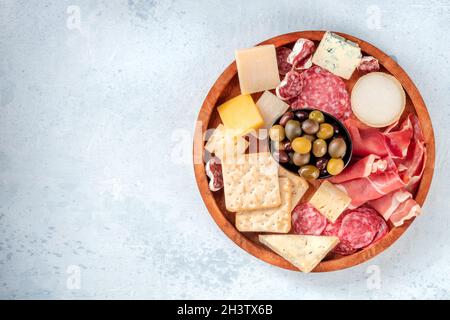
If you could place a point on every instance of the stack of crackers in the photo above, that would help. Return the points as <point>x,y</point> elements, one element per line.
<point>261,193</point>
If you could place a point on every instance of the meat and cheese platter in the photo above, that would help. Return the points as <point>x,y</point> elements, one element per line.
<point>314,151</point>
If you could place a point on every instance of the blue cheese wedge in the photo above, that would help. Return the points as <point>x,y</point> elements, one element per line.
<point>330,201</point>
<point>337,55</point>
<point>304,252</point>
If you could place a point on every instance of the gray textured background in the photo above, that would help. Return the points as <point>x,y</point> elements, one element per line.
<point>96,123</point>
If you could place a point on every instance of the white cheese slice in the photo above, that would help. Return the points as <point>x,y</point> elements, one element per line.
<point>304,252</point>
<point>378,99</point>
<point>330,201</point>
<point>257,68</point>
<point>337,55</point>
<point>271,108</point>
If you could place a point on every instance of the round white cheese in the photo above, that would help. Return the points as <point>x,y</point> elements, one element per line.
<point>378,99</point>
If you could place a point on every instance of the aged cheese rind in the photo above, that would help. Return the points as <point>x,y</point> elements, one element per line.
<point>240,115</point>
<point>271,108</point>
<point>330,201</point>
<point>304,252</point>
<point>337,55</point>
<point>257,68</point>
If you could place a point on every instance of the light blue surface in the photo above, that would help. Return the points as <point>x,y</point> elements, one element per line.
<point>97,192</point>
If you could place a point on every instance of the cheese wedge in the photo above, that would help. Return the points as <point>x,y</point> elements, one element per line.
<point>304,252</point>
<point>271,108</point>
<point>257,68</point>
<point>337,55</point>
<point>226,146</point>
<point>240,115</point>
<point>330,201</point>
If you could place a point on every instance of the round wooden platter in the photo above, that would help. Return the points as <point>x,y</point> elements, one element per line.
<point>227,87</point>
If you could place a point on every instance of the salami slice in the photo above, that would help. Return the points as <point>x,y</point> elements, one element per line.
<point>369,64</point>
<point>213,170</point>
<point>301,55</point>
<point>291,86</point>
<point>343,249</point>
<point>358,228</point>
<point>307,220</point>
<point>283,65</point>
<point>324,91</point>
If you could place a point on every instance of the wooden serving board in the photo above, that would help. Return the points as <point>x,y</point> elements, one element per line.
<point>227,87</point>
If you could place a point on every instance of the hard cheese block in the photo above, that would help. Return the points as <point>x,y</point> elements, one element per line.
<point>337,55</point>
<point>330,201</point>
<point>271,108</point>
<point>304,252</point>
<point>240,115</point>
<point>257,69</point>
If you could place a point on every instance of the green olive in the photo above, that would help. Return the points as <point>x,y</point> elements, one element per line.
<point>317,116</point>
<point>337,148</point>
<point>319,148</point>
<point>276,133</point>
<point>301,145</point>
<point>326,131</point>
<point>301,159</point>
<point>335,166</point>
<point>310,126</point>
<point>309,172</point>
<point>293,129</point>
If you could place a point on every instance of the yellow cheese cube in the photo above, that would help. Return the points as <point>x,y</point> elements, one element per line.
<point>257,68</point>
<point>241,115</point>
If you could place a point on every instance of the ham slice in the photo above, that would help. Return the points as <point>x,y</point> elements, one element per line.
<point>372,187</point>
<point>398,139</point>
<point>390,166</point>
<point>361,169</point>
<point>389,203</point>
<point>397,206</point>
<point>366,140</point>
<point>408,209</point>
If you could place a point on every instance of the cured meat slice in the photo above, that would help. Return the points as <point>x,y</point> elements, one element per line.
<point>389,203</point>
<point>213,170</point>
<point>324,91</point>
<point>344,249</point>
<point>398,139</point>
<point>283,65</point>
<point>358,229</point>
<point>307,220</point>
<point>366,140</point>
<point>361,169</point>
<point>291,86</point>
<point>301,56</point>
<point>405,211</point>
<point>369,64</point>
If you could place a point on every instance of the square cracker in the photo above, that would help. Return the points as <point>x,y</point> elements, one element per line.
<point>299,185</point>
<point>251,183</point>
<point>269,220</point>
<point>225,145</point>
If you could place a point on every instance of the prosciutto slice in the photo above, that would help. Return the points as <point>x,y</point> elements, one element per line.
<point>372,187</point>
<point>366,141</point>
<point>361,169</point>
<point>397,206</point>
<point>391,166</point>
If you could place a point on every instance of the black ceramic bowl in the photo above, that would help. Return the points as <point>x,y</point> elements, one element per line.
<point>342,133</point>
